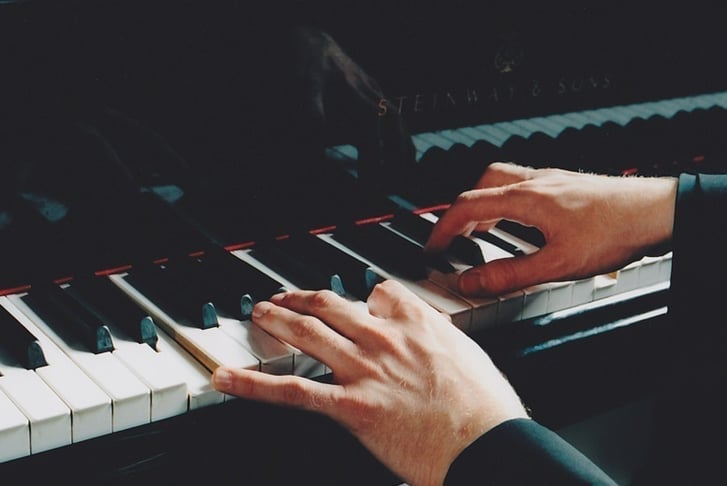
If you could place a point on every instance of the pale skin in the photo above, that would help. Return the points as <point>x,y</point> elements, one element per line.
<point>414,389</point>
<point>592,224</point>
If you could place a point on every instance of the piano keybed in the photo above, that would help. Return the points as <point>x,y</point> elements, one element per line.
<point>170,323</point>
<point>84,392</point>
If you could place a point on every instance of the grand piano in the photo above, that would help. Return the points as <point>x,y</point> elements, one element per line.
<point>168,164</point>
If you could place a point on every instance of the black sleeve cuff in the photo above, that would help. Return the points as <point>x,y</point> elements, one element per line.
<point>522,452</point>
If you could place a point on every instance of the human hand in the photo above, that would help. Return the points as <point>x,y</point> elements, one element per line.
<point>408,384</point>
<point>592,224</point>
<point>343,102</point>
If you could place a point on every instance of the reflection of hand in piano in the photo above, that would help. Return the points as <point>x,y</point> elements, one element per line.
<point>342,101</point>
<point>593,224</point>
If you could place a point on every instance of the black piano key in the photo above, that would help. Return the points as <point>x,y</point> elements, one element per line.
<point>530,234</point>
<point>302,272</point>
<point>343,273</point>
<point>234,277</point>
<point>418,229</point>
<point>496,240</point>
<point>20,342</point>
<point>499,242</point>
<point>110,303</point>
<point>541,150</point>
<point>390,251</point>
<point>175,292</point>
<point>66,314</point>
<point>336,262</point>
<point>212,290</point>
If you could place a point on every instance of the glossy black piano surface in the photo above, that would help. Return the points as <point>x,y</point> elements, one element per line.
<point>141,132</point>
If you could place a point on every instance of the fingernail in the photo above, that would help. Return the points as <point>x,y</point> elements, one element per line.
<point>260,309</point>
<point>469,282</point>
<point>279,297</point>
<point>222,379</point>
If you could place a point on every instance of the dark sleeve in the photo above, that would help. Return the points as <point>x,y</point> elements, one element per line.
<point>699,263</point>
<point>522,452</point>
<point>699,241</point>
<point>687,445</point>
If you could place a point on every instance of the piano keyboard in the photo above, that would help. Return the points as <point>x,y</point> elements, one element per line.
<point>92,356</point>
<point>109,375</point>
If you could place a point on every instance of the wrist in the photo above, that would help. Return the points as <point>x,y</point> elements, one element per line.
<point>650,204</point>
<point>660,215</point>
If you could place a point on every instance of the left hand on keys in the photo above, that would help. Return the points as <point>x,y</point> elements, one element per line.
<point>413,388</point>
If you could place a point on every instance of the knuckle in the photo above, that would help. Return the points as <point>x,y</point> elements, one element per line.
<point>465,197</point>
<point>294,393</point>
<point>322,299</point>
<point>498,166</point>
<point>303,327</point>
<point>388,286</point>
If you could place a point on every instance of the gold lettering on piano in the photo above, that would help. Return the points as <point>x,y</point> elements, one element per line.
<point>383,106</point>
<point>484,97</point>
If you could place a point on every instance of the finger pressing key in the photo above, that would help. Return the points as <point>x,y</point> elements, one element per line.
<point>305,332</point>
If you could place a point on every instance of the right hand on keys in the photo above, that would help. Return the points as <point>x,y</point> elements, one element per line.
<point>399,370</point>
<point>592,224</point>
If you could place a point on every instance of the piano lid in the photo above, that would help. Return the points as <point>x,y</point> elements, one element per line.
<point>440,64</point>
<point>215,100</point>
<point>445,65</point>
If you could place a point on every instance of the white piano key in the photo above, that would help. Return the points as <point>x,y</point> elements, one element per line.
<point>14,431</point>
<point>168,389</point>
<point>490,311</point>
<point>561,295</point>
<point>483,309</point>
<point>438,297</point>
<point>605,286</point>
<point>200,392</point>
<point>176,380</point>
<point>212,347</point>
<point>303,364</point>
<point>583,291</point>
<point>90,407</point>
<point>130,398</point>
<point>628,276</point>
<point>650,271</point>
<point>167,386</point>
<point>49,417</point>
<point>535,301</point>
<point>275,356</point>
<point>665,268</point>
<point>510,307</point>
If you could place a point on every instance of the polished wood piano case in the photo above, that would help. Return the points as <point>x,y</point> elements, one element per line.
<point>100,99</point>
